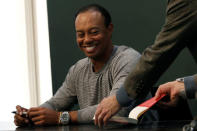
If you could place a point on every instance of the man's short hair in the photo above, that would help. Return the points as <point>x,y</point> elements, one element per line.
<point>96,7</point>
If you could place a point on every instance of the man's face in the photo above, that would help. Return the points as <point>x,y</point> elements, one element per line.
<point>93,37</point>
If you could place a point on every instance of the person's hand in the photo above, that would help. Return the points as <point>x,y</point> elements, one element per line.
<point>108,107</point>
<point>173,89</point>
<point>43,116</point>
<point>18,119</point>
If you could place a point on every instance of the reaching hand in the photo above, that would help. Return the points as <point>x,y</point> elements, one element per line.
<point>18,119</point>
<point>173,89</point>
<point>43,116</point>
<point>108,107</point>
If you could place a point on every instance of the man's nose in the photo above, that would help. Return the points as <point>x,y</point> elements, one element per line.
<point>87,39</point>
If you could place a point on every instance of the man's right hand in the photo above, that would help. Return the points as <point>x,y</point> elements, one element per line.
<point>18,119</point>
<point>173,89</point>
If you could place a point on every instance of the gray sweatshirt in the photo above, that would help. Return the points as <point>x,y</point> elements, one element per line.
<point>89,88</point>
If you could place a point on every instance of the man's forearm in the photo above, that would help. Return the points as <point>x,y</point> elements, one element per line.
<point>86,115</point>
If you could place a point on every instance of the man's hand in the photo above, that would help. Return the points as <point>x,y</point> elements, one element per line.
<point>108,107</point>
<point>173,89</point>
<point>43,116</point>
<point>18,119</point>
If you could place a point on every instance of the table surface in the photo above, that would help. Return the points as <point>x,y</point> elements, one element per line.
<point>153,126</point>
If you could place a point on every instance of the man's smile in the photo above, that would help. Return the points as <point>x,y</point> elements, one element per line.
<point>90,48</point>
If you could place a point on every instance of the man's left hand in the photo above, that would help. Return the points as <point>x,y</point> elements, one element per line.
<point>43,116</point>
<point>108,107</point>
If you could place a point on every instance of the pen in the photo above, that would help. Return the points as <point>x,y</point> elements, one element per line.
<point>24,113</point>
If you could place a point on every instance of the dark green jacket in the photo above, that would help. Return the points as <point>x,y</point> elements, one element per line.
<point>178,32</point>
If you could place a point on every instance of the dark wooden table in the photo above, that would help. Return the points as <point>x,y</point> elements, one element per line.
<point>149,126</point>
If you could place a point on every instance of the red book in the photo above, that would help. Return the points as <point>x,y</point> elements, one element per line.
<point>140,109</point>
<point>136,112</point>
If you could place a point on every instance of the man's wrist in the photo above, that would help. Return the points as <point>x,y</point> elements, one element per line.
<point>73,116</point>
<point>180,80</point>
<point>59,115</point>
<point>182,92</point>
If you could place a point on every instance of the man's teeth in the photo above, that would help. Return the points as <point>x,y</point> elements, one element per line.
<point>90,48</point>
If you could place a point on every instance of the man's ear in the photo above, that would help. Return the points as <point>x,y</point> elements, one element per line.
<point>111,27</point>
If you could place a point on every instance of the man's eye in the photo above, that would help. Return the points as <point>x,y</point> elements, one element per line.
<point>95,32</point>
<point>80,35</point>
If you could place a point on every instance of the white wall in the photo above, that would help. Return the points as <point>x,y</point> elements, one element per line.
<point>16,65</point>
<point>43,50</point>
<point>13,58</point>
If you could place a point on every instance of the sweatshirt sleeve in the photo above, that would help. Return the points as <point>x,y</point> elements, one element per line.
<point>191,86</point>
<point>65,95</point>
<point>122,97</point>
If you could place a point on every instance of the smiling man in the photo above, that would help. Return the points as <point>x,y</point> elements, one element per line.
<point>91,79</point>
